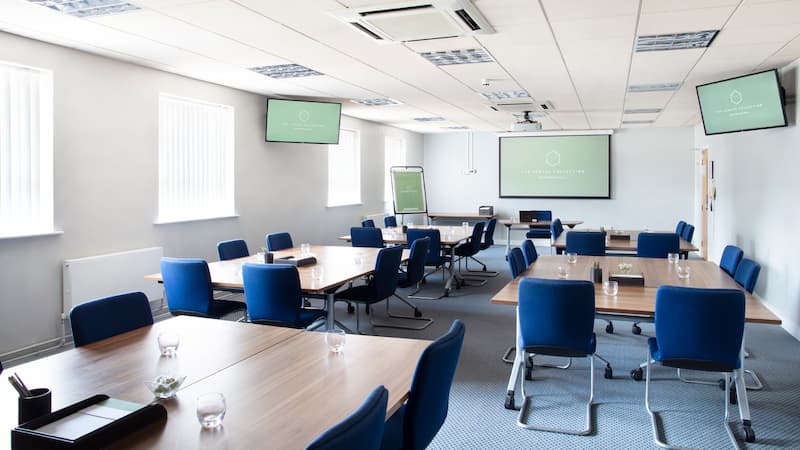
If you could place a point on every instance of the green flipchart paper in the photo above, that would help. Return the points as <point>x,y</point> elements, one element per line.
<point>745,103</point>
<point>409,192</point>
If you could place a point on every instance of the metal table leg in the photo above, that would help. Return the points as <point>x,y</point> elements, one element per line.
<point>508,240</point>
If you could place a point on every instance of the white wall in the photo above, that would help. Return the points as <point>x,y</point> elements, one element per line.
<point>757,204</point>
<point>651,180</point>
<point>106,116</point>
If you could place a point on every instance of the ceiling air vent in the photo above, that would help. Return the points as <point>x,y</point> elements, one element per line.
<point>416,20</point>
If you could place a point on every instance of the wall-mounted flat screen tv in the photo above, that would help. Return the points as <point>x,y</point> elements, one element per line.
<point>749,102</point>
<point>303,122</point>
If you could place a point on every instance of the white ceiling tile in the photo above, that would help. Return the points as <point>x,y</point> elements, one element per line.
<point>570,120</point>
<point>511,12</point>
<point>558,10</point>
<point>684,21</point>
<point>763,15</point>
<point>441,45</point>
<point>647,99</point>
<point>657,6</point>
<point>604,119</point>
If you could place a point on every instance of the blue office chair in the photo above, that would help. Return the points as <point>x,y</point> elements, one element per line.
<point>470,249</point>
<point>415,272</point>
<point>417,421</point>
<point>747,274</point>
<point>362,429</point>
<point>657,245</point>
<point>102,318</point>
<point>516,262</point>
<point>554,318</point>
<point>368,223</point>
<point>592,243</point>
<point>366,237</point>
<point>529,251</point>
<point>435,257</point>
<point>273,296</point>
<point>536,232</point>
<point>279,241</point>
<point>381,286</point>
<point>688,232</point>
<point>187,284</point>
<point>731,256</point>
<point>488,242</point>
<point>680,227</point>
<point>236,248</point>
<point>700,329</point>
<point>390,221</point>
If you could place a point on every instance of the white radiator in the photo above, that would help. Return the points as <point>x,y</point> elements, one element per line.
<point>114,273</point>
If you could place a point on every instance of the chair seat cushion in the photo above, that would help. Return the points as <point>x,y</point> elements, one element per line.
<point>359,294</point>
<point>219,308</point>
<point>464,250</point>
<point>556,350</point>
<point>689,363</point>
<point>402,280</point>
<point>393,430</point>
<point>538,234</point>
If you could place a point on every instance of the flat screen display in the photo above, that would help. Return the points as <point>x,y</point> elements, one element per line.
<point>750,102</point>
<point>303,121</point>
<point>555,166</point>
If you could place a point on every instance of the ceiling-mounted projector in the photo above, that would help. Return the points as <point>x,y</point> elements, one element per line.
<point>526,124</point>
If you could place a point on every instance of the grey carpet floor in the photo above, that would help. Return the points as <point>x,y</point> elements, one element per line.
<point>691,415</point>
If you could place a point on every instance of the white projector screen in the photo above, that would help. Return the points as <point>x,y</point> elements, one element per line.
<point>575,166</point>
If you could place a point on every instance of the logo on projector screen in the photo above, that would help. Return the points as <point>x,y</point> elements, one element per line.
<point>304,115</point>
<point>736,97</point>
<point>552,158</point>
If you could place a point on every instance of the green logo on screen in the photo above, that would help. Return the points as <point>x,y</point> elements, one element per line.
<point>552,158</point>
<point>736,97</point>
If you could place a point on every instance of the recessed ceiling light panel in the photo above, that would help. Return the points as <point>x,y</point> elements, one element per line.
<point>87,8</point>
<point>654,87</point>
<point>643,111</point>
<point>502,95</point>
<point>286,71</point>
<point>451,57</point>
<point>429,119</point>
<point>456,127</point>
<point>376,101</point>
<point>675,41</point>
<point>636,122</point>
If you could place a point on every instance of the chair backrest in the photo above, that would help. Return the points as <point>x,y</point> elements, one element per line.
<point>366,237</point>
<point>556,228</point>
<point>390,221</point>
<point>429,396</point>
<point>477,234</point>
<point>747,274</point>
<point>657,245</point>
<point>516,262</point>
<point>488,234</point>
<point>688,232</point>
<point>556,316</point>
<point>699,328</point>
<point>235,248</point>
<point>279,241</point>
<point>529,251</point>
<point>187,285</point>
<point>592,243</point>
<point>362,429</point>
<point>418,252</point>
<point>680,227</point>
<point>731,256</point>
<point>434,257</point>
<point>272,293</point>
<point>109,316</point>
<point>528,216</point>
<point>384,280</point>
<point>368,223</point>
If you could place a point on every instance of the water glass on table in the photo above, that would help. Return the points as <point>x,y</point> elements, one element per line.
<point>610,288</point>
<point>211,410</point>
<point>684,272</point>
<point>168,343</point>
<point>672,258</point>
<point>572,258</point>
<point>335,339</point>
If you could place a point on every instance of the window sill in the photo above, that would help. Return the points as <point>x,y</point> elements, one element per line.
<point>345,204</point>
<point>193,219</point>
<point>31,235</point>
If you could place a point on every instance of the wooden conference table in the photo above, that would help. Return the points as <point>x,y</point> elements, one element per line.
<point>282,386</point>
<point>339,266</point>
<point>624,245</point>
<point>450,237</point>
<point>509,224</point>
<point>457,216</point>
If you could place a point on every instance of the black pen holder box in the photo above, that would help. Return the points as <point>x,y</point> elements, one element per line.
<point>35,406</point>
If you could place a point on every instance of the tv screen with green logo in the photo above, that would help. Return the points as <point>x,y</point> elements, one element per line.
<point>303,121</point>
<point>574,166</point>
<point>750,102</point>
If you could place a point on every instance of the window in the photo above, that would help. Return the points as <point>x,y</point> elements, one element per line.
<point>26,151</point>
<point>195,160</point>
<point>394,154</point>
<point>344,170</point>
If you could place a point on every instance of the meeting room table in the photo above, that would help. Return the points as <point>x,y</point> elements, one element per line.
<point>624,241</point>
<point>511,223</point>
<point>282,386</point>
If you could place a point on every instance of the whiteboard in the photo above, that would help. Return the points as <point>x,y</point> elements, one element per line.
<point>408,190</point>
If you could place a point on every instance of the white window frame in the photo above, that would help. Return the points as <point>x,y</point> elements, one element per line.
<point>391,159</point>
<point>344,175</point>
<point>196,162</point>
<point>26,151</point>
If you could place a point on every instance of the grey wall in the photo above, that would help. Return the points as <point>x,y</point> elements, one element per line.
<point>106,147</point>
<point>651,183</point>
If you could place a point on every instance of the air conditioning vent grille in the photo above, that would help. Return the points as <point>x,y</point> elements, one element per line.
<point>367,31</point>
<point>467,19</point>
<point>394,10</point>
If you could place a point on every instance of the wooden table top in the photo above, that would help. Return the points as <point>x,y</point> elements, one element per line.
<point>632,300</point>
<point>628,245</point>
<point>450,234</point>
<point>539,223</point>
<point>472,216</point>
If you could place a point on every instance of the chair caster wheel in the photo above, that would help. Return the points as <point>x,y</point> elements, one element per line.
<point>749,434</point>
<point>637,374</point>
<point>609,373</point>
<point>509,404</point>
<point>636,330</point>
<point>484,268</point>
<point>351,309</point>
<point>610,328</point>
<point>732,396</point>
<point>417,313</point>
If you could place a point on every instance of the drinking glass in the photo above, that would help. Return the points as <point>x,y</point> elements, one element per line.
<point>305,249</point>
<point>572,258</point>
<point>562,272</point>
<point>168,343</point>
<point>335,339</point>
<point>211,410</point>
<point>358,260</point>
<point>316,273</point>
<point>465,225</point>
<point>683,272</point>
<point>610,288</point>
<point>672,258</point>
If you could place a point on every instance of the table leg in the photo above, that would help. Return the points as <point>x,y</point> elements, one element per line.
<point>330,300</point>
<point>452,276</point>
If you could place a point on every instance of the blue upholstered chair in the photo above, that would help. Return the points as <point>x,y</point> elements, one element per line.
<point>488,242</point>
<point>592,243</point>
<point>731,256</point>
<point>102,318</point>
<point>556,228</point>
<point>236,248</point>
<point>381,286</point>
<point>187,284</point>
<point>362,429</point>
<point>390,221</point>
<point>700,329</point>
<point>279,241</point>
<point>366,237</point>
<point>368,223</point>
<point>412,277</point>
<point>747,274</point>
<point>273,296</point>
<point>688,232</point>
<point>435,258</point>
<point>416,423</point>
<point>529,251</point>
<point>554,318</point>
<point>516,262</point>
<point>657,245</point>
<point>680,227</point>
<point>536,232</point>
<point>469,250</point>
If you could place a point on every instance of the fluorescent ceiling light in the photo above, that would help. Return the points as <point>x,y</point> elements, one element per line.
<point>87,8</point>
<point>643,111</point>
<point>502,95</point>
<point>428,119</point>
<point>286,71</point>
<point>675,41</point>
<point>376,101</point>
<point>635,122</point>
<point>654,87</point>
<point>451,57</point>
<point>456,127</point>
